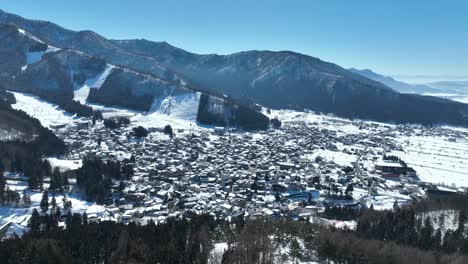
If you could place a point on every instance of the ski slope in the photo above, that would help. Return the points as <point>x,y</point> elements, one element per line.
<point>184,106</point>
<point>81,93</point>
<point>47,113</point>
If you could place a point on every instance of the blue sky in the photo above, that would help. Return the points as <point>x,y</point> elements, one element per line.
<point>394,37</point>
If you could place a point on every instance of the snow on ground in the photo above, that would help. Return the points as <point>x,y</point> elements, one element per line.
<point>47,113</point>
<point>443,219</point>
<point>325,121</point>
<point>65,165</point>
<point>436,159</point>
<point>216,254</point>
<point>182,115</point>
<point>184,106</point>
<point>29,35</point>
<point>81,93</point>
<point>19,216</point>
<point>339,158</point>
<point>33,57</point>
<point>148,120</point>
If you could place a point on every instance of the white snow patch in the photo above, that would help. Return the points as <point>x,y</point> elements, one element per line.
<point>436,159</point>
<point>47,113</point>
<point>81,93</point>
<point>19,216</point>
<point>65,165</point>
<point>184,106</point>
<point>340,158</point>
<point>152,119</point>
<point>33,57</point>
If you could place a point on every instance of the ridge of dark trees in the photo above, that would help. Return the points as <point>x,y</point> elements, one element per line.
<point>24,154</point>
<point>191,239</point>
<point>96,175</point>
<point>116,122</point>
<point>233,114</point>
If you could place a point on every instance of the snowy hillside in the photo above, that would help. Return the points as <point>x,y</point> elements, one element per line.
<point>35,56</point>
<point>48,114</point>
<point>183,106</point>
<point>82,92</point>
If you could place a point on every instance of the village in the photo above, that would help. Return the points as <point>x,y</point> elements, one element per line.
<point>294,171</point>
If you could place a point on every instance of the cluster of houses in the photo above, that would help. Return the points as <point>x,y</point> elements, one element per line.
<point>293,171</point>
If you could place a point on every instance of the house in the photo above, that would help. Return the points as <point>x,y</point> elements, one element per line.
<point>390,169</point>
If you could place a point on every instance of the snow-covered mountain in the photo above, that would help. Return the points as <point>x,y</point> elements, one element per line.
<point>281,79</point>
<point>64,74</point>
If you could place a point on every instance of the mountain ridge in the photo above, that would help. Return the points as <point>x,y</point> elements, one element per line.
<point>276,79</point>
<point>399,86</point>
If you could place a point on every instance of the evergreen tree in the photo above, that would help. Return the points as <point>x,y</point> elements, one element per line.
<point>85,218</point>
<point>168,131</point>
<point>437,241</point>
<point>66,184</point>
<point>277,197</point>
<point>18,164</point>
<point>56,181</point>
<point>45,201</point>
<point>140,132</point>
<point>35,221</point>
<point>349,189</point>
<point>26,198</point>
<point>2,185</point>
<point>461,220</point>
<point>53,203</point>
<point>295,250</point>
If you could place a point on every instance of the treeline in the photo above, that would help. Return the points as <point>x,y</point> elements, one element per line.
<point>192,240</point>
<point>114,123</point>
<point>6,98</point>
<point>26,157</point>
<point>219,112</point>
<point>64,99</point>
<point>337,246</point>
<point>11,197</point>
<point>117,91</point>
<point>50,214</point>
<point>95,177</point>
<point>24,154</point>
<point>177,241</point>
<point>407,226</point>
<point>343,213</point>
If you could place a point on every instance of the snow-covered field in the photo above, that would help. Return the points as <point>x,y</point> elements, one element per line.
<point>48,114</point>
<point>436,159</point>
<point>19,216</point>
<point>147,120</point>
<point>65,165</point>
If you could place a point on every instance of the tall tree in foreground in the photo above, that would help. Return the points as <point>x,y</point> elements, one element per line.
<point>45,201</point>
